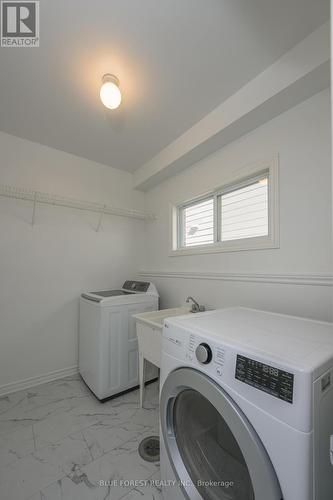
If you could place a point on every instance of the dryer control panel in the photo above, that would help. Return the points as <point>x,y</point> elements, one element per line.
<point>208,354</point>
<point>278,383</point>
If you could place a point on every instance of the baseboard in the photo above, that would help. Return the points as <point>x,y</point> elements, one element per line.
<point>20,385</point>
<point>281,279</point>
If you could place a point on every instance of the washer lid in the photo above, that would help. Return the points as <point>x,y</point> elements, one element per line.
<point>130,289</point>
<point>104,294</point>
<point>110,293</point>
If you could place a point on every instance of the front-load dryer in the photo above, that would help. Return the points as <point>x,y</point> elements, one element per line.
<point>246,407</point>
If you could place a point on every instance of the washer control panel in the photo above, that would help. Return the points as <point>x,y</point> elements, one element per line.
<point>136,286</point>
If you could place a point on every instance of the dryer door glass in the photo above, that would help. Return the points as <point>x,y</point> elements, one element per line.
<point>212,448</point>
<point>209,450</point>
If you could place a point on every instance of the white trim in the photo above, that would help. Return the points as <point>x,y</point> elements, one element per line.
<point>27,383</point>
<point>284,279</point>
<point>258,243</point>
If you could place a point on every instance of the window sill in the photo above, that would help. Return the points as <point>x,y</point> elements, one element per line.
<point>232,246</point>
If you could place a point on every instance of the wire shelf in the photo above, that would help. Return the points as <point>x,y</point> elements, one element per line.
<point>38,197</point>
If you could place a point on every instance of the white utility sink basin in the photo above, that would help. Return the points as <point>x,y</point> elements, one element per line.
<point>149,326</point>
<point>156,318</point>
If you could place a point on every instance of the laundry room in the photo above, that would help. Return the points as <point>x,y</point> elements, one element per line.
<point>166,264</point>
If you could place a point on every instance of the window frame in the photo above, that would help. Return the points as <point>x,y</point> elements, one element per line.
<point>180,215</point>
<point>241,178</point>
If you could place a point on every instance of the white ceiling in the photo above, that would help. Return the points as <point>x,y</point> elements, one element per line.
<point>176,60</point>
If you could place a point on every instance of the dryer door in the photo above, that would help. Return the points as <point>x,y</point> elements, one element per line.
<point>213,449</point>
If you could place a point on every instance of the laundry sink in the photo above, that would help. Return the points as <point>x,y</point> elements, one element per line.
<point>149,326</point>
<point>156,318</point>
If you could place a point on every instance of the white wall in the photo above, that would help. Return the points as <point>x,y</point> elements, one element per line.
<point>43,269</point>
<point>301,138</point>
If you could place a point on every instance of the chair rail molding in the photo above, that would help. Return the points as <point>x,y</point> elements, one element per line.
<point>283,279</point>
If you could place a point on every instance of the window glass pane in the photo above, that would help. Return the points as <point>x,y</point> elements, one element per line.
<point>198,223</point>
<point>209,450</point>
<point>244,212</point>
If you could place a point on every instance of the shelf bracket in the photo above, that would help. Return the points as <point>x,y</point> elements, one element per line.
<point>34,210</point>
<point>100,218</point>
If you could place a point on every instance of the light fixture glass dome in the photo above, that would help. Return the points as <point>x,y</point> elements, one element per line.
<point>110,93</point>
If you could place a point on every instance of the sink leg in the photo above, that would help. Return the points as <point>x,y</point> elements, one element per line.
<point>141,378</point>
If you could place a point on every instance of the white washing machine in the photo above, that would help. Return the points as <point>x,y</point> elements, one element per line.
<point>108,345</point>
<point>246,407</point>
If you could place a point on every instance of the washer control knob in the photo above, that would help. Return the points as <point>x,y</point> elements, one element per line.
<point>203,353</point>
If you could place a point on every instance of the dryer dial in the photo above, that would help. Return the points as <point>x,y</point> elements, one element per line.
<point>203,353</point>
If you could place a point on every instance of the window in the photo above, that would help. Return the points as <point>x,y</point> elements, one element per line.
<point>244,211</point>
<point>197,223</point>
<point>241,215</point>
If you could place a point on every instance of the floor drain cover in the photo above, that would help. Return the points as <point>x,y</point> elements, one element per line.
<point>149,449</point>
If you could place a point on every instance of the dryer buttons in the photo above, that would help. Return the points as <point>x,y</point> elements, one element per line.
<point>219,356</point>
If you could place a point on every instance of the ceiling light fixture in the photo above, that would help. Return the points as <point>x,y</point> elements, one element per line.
<point>110,93</point>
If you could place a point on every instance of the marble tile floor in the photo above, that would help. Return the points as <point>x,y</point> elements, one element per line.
<point>57,442</point>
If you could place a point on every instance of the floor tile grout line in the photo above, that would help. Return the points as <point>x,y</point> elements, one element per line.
<point>104,454</point>
<point>90,453</point>
<point>118,446</point>
<point>37,449</point>
<point>135,488</point>
<point>44,487</point>
<point>85,427</point>
<point>14,406</point>
<point>34,437</point>
<point>54,443</point>
<point>38,407</point>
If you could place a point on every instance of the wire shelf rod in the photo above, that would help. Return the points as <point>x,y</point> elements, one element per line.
<point>38,197</point>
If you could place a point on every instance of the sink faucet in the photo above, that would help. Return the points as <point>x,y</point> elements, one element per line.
<point>195,306</point>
